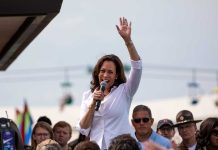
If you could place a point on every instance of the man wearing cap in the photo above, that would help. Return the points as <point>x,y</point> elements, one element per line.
<point>165,127</point>
<point>142,121</point>
<point>187,129</point>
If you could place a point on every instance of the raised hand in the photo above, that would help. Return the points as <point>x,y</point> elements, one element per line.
<point>124,29</point>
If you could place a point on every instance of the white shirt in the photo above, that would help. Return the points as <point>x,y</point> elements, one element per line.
<point>111,119</point>
<point>192,147</point>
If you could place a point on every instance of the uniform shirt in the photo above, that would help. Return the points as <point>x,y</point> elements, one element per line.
<point>158,139</point>
<point>183,147</point>
<point>111,119</point>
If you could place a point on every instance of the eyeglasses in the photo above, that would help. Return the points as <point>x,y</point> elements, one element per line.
<point>42,134</point>
<point>214,133</point>
<point>138,120</point>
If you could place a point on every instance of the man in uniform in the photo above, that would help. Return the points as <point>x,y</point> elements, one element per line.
<point>187,129</point>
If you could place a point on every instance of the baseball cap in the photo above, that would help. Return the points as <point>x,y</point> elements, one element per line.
<point>164,122</point>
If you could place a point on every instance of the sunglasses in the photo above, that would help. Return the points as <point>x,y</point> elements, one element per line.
<point>138,120</point>
<point>214,133</point>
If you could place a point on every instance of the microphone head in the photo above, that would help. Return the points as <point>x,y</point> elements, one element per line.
<point>103,85</point>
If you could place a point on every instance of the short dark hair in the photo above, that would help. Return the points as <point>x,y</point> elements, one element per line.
<point>62,124</point>
<point>124,142</point>
<point>87,145</point>
<point>45,119</point>
<point>142,108</point>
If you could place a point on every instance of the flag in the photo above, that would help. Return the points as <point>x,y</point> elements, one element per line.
<point>18,119</point>
<point>24,123</point>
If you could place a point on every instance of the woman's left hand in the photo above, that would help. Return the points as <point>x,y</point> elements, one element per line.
<point>124,29</point>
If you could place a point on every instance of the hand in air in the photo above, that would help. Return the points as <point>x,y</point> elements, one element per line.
<point>124,29</point>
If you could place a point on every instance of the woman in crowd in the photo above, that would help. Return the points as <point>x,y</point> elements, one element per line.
<point>207,137</point>
<point>41,132</point>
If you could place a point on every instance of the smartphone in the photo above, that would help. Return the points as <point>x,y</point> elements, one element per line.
<point>8,140</point>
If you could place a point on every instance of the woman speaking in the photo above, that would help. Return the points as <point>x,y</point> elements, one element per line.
<point>112,92</point>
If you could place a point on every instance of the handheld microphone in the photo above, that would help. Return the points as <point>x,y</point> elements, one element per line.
<point>102,88</point>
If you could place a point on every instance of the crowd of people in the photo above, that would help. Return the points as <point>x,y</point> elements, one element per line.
<point>104,115</point>
<point>46,137</point>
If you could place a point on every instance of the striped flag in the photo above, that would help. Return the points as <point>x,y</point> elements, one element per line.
<point>24,123</point>
<point>18,118</point>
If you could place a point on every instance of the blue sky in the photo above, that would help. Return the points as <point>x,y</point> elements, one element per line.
<point>181,34</point>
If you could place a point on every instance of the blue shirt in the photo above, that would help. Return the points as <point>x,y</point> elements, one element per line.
<point>158,139</point>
